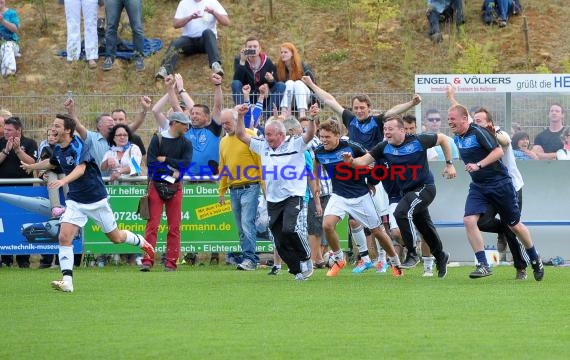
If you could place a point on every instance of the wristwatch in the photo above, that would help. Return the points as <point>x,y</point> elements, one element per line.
<point>449,162</point>
<point>479,165</point>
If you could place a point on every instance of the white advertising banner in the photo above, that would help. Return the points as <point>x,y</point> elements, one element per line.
<point>493,83</point>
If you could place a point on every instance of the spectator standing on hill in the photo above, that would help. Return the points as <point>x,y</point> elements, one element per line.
<point>548,142</point>
<point>198,20</point>
<point>490,185</point>
<point>521,147</point>
<point>168,153</point>
<point>87,198</point>
<point>254,68</point>
<point>73,11</point>
<point>113,10</point>
<point>9,48</point>
<point>284,194</point>
<point>564,153</point>
<point>16,149</point>
<point>290,70</point>
<point>447,10</point>
<point>244,190</point>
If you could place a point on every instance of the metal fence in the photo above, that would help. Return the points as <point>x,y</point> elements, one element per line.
<point>37,112</point>
<point>527,109</point>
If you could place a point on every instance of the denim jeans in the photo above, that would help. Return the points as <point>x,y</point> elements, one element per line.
<point>244,207</point>
<point>504,8</point>
<point>113,9</point>
<point>275,95</point>
<point>207,43</point>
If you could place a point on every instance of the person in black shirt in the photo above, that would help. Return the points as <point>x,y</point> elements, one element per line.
<point>408,154</point>
<point>16,149</point>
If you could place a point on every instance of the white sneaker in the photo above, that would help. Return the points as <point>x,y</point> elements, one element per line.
<point>307,268</point>
<point>61,285</point>
<point>217,68</point>
<point>428,272</point>
<point>300,277</point>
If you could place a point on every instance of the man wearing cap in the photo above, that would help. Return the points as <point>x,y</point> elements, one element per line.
<point>169,154</point>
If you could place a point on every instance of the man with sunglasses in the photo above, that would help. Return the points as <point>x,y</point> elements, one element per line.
<point>432,124</point>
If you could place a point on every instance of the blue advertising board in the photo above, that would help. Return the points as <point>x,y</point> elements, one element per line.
<point>26,225</point>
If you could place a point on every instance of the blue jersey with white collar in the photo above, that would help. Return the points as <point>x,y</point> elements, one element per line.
<point>344,180</point>
<point>474,146</point>
<point>409,163</point>
<point>368,132</point>
<point>89,187</point>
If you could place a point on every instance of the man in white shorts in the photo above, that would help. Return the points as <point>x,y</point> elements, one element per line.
<point>87,198</point>
<point>350,195</point>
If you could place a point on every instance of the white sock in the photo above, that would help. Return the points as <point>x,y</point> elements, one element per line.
<point>428,262</point>
<point>277,266</point>
<point>360,239</point>
<point>66,260</point>
<point>133,239</point>
<point>394,260</point>
<point>338,255</point>
<point>382,255</point>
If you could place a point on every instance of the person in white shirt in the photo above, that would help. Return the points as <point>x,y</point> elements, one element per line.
<point>198,20</point>
<point>284,171</point>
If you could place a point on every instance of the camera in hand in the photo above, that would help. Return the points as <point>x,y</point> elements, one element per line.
<point>249,52</point>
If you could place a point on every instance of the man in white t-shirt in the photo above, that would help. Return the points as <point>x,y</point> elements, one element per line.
<point>285,174</point>
<point>198,20</point>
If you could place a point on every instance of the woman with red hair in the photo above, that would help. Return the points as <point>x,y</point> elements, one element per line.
<point>290,69</point>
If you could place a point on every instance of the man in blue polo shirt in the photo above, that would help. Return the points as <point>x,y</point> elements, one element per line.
<point>490,185</point>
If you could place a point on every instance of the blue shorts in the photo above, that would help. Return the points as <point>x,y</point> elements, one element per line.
<point>501,195</point>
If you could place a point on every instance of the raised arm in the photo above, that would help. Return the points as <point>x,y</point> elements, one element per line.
<point>325,97</point>
<point>218,97</point>
<point>146,104</point>
<point>159,116</point>
<point>183,92</point>
<point>240,127</point>
<point>311,129</point>
<point>402,108</point>
<point>81,130</point>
